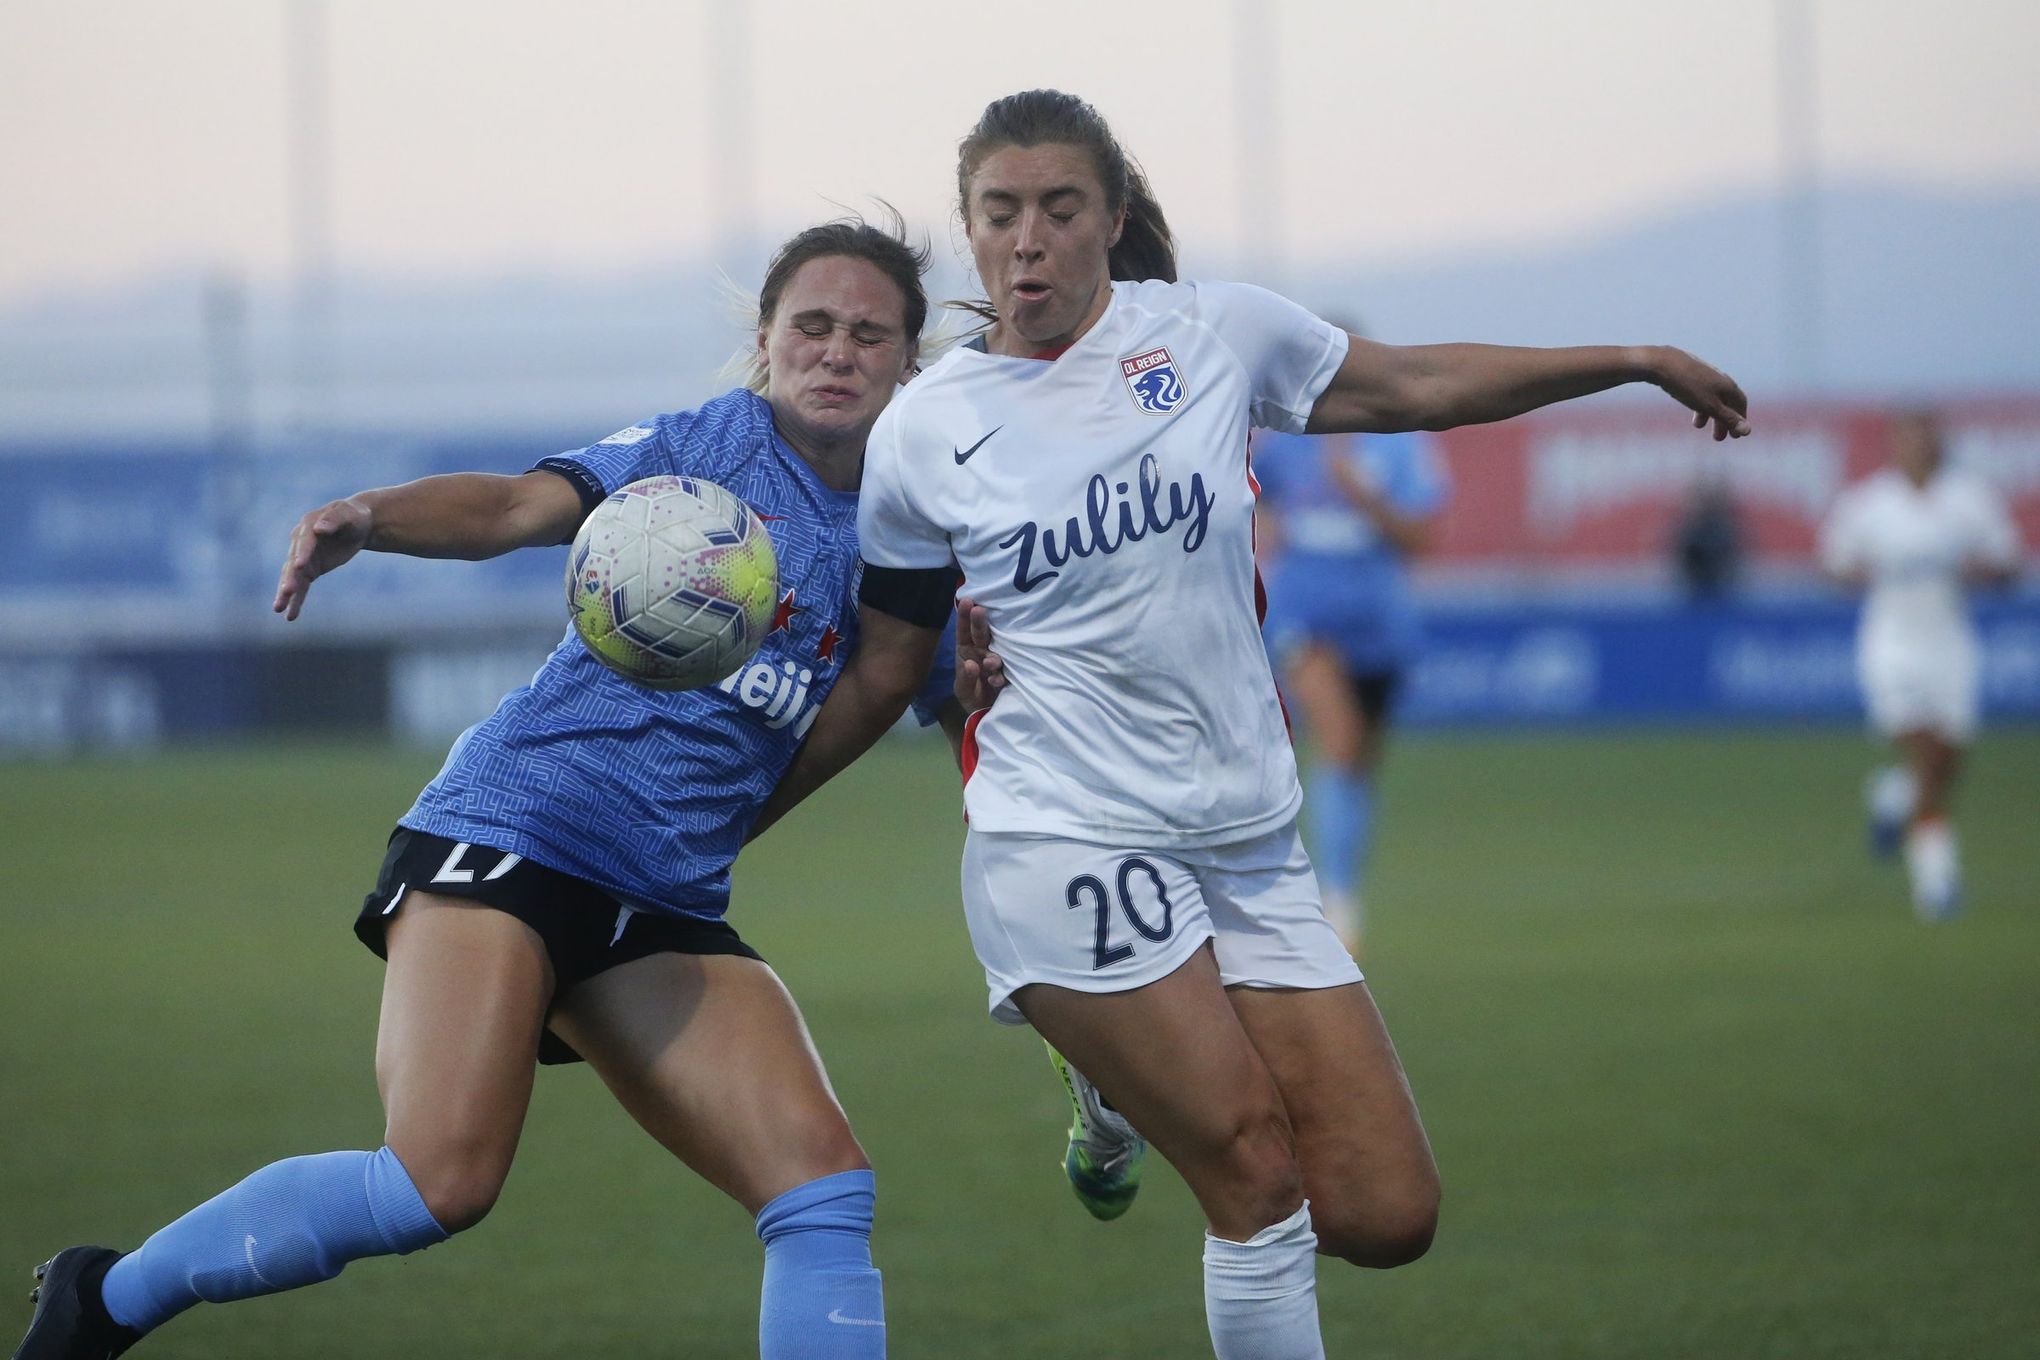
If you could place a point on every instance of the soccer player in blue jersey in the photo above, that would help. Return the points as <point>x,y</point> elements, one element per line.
<point>559,889</point>
<point>1339,518</point>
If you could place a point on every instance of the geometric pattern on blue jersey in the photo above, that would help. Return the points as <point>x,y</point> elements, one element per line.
<point>649,793</point>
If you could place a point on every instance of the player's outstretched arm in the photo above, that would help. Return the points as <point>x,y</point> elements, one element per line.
<point>1383,388</point>
<point>884,673</point>
<point>468,515</point>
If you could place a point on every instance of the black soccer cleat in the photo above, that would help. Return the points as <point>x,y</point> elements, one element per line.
<point>70,1320</point>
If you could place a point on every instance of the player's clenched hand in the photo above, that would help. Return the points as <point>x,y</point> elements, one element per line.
<point>322,540</point>
<point>980,674</point>
<point>1710,394</point>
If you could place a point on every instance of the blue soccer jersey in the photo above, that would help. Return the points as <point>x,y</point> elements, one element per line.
<point>1333,577</point>
<point>649,794</point>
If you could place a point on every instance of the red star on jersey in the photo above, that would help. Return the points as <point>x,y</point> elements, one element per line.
<point>825,650</point>
<point>782,617</point>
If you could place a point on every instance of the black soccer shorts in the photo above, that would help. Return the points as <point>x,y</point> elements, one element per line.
<point>586,930</point>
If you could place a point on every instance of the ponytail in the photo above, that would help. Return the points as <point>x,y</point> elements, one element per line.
<point>1145,249</point>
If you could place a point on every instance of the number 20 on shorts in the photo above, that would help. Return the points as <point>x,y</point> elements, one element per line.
<point>1089,889</point>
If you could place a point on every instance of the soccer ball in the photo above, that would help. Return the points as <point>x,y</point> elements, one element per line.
<point>672,582</point>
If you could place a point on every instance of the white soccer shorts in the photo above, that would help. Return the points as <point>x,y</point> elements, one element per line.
<point>1099,918</point>
<point>1915,689</point>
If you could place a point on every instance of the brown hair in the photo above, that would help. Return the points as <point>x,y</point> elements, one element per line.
<point>1145,249</point>
<point>885,247</point>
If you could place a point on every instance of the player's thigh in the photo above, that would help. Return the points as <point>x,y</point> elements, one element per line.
<point>1367,1163</point>
<point>710,1055</point>
<point>1323,694</point>
<point>1172,1057</point>
<point>1935,758</point>
<point>463,1005</point>
<point>1299,996</point>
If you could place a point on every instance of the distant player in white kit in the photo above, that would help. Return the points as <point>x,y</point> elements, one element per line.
<point>1912,537</point>
<point>1132,880</point>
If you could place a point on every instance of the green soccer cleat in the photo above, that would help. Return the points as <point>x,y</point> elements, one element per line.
<point>1105,1153</point>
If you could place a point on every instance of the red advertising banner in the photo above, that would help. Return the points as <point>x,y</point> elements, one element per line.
<point>1607,485</point>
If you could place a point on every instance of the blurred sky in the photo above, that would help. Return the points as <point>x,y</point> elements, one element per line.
<point>478,137</point>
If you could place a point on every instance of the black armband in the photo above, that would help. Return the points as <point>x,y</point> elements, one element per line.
<point>922,596</point>
<point>583,481</point>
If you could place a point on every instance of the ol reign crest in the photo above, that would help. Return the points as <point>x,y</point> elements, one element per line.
<point>1152,378</point>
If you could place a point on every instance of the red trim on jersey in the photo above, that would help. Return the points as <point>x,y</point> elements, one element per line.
<point>967,753</point>
<point>1052,353</point>
<point>1261,587</point>
<point>968,756</point>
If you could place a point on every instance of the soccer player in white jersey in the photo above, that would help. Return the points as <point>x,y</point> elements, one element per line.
<point>1132,879</point>
<point>1911,537</point>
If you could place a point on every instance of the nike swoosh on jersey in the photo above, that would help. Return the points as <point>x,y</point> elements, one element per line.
<point>963,455</point>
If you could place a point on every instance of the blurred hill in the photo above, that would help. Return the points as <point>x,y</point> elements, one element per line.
<point>1919,293</point>
<point>1923,293</point>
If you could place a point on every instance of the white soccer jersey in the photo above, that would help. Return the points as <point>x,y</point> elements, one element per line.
<point>1100,509</point>
<point>1913,544</point>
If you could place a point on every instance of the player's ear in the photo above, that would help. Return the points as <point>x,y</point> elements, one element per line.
<point>910,363</point>
<point>1118,229</point>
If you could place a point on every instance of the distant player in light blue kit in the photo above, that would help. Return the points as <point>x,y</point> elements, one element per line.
<point>558,890</point>
<point>1339,518</point>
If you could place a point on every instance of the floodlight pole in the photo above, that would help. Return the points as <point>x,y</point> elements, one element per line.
<point>311,213</point>
<point>732,161</point>
<point>1799,237</point>
<point>1258,127</point>
<point>225,320</point>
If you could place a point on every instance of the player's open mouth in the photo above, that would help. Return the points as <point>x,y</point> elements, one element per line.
<point>1028,290</point>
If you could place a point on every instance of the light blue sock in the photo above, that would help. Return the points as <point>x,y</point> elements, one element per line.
<point>292,1223</point>
<point>1363,833</point>
<point>1341,808</point>
<point>822,1299</point>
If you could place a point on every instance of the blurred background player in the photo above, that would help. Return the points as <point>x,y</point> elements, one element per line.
<point>1912,536</point>
<point>1707,542</point>
<point>1339,518</point>
<point>558,891</point>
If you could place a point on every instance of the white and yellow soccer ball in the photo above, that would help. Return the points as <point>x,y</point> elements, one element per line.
<point>672,582</point>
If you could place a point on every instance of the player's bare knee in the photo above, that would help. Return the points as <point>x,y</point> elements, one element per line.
<point>458,1202</point>
<point>459,1185</point>
<point>1259,1161</point>
<point>1380,1234</point>
<point>830,1152</point>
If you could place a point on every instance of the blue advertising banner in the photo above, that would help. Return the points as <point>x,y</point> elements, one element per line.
<point>1741,662</point>
<point>168,542</point>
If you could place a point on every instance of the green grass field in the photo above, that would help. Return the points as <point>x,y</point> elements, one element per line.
<point>1698,1082</point>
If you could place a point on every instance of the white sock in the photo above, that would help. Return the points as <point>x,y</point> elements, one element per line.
<point>1260,1295</point>
<point>1934,865</point>
<point>1891,793</point>
<point>1342,909</point>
